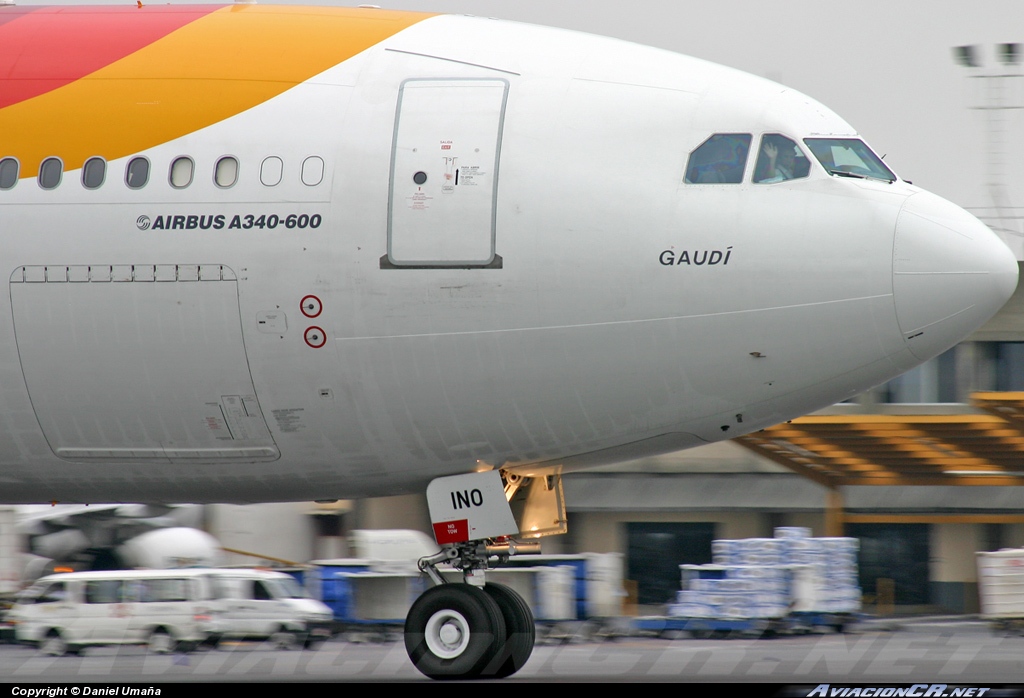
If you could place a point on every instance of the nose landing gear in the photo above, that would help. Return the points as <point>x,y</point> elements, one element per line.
<point>471,629</point>
<point>457,631</point>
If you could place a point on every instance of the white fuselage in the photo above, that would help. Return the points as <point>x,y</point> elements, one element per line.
<point>153,351</point>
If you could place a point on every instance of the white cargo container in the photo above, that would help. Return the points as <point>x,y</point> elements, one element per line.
<point>10,552</point>
<point>1001,586</point>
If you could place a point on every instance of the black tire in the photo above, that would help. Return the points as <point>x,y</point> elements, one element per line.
<point>161,642</point>
<point>53,644</point>
<point>520,632</point>
<point>282,639</point>
<point>312,643</point>
<point>454,631</point>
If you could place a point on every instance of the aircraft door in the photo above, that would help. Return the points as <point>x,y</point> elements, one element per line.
<point>444,173</point>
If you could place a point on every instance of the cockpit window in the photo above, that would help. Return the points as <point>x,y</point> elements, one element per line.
<point>779,159</point>
<point>849,157</point>
<point>720,159</point>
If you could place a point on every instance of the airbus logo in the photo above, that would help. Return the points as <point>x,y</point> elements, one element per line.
<point>143,222</point>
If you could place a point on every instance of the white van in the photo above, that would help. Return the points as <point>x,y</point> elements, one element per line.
<point>164,609</point>
<point>167,610</point>
<point>259,604</point>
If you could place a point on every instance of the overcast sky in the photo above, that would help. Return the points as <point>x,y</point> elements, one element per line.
<point>885,66</point>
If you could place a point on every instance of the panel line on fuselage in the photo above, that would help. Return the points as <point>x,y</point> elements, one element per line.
<point>612,323</point>
<point>452,60</point>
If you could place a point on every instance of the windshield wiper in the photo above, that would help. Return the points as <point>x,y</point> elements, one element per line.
<point>846,173</point>
<point>858,175</point>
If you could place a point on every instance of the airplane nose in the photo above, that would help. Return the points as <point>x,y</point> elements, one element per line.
<point>950,274</point>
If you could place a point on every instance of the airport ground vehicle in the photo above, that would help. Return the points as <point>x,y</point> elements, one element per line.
<point>163,609</point>
<point>260,604</point>
<point>167,610</point>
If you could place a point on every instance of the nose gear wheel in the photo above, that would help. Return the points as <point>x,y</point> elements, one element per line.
<point>454,631</point>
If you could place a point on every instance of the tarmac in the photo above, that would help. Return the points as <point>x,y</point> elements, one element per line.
<point>929,624</point>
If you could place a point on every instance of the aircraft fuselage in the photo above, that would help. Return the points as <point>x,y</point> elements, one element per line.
<point>445,243</point>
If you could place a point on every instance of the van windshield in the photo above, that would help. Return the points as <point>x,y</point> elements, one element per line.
<point>849,157</point>
<point>286,589</point>
<point>46,592</point>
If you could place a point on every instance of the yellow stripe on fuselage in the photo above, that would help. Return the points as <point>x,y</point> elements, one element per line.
<point>215,67</point>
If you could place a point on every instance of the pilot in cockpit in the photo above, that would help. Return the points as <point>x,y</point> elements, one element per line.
<point>779,160</point>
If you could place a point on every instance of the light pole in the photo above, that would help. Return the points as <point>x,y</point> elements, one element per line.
<point>999,98</point>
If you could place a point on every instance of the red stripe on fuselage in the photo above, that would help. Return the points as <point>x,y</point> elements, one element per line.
<point>44,48</point>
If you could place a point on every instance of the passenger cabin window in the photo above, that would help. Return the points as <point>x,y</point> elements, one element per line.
<point>225,174</point>
<point>312,171</point>
<point>50,172</point>
<point>8,173</point>
<point>720,159</point>
<point>156,590</point>
<point>780,159</point>
<point>849,157</point>
<point>181,172</point>
<point>136,175</point>
<point>103,591</point>
<point>271,171</point>
<point>94,171</point>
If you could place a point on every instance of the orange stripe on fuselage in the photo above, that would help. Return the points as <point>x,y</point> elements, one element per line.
<point>212,68</point>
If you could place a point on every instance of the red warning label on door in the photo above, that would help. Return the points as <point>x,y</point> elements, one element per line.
<point>451,531</point>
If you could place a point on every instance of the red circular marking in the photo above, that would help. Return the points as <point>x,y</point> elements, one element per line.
<point>318,307</point>
<point>315,337</point>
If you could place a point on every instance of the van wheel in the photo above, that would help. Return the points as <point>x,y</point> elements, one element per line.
<point>283,639</point>
<point>160,642</point>
<point>53,645</point>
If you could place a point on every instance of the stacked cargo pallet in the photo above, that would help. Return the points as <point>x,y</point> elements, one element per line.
<point>772,578</point>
